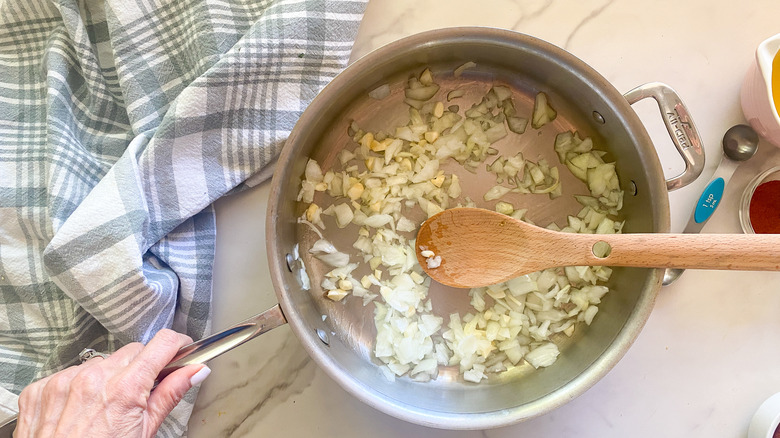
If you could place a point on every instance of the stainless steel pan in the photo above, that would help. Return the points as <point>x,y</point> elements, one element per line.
<point>341,344</point>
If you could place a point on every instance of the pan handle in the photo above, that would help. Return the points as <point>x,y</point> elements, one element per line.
<point>7,427</point>
<point>203,350</point>
<point>680,127</point>
<point>210,347</point>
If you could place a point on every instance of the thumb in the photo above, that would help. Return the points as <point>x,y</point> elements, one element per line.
<point>171,390</point>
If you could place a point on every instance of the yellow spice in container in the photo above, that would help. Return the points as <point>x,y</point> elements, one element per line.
<point>776,82</point>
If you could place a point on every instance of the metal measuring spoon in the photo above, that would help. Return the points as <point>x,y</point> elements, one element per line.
<point>740,143</point>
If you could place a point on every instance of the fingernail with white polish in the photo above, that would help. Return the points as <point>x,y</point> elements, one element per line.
<point>200,376</point>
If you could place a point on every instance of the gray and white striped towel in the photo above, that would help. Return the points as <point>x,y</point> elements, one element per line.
<point>121,121</point>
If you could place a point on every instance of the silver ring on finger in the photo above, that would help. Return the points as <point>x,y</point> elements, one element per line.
<point>88,353</point>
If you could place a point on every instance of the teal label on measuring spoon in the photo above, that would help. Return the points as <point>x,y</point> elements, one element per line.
<point>709,200</point>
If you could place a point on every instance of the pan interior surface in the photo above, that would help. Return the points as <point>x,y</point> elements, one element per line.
<point>340,335</point>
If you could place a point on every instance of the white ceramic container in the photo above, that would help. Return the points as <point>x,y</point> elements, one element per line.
<point>757,101</point>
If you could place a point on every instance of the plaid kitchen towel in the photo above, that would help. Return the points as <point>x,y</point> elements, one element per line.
<point>121,121</point>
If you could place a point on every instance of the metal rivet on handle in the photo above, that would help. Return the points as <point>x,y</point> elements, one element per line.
<point>290,262</point>
<point>634,189</point>
<point>323,336</point>
<point>598,118</point>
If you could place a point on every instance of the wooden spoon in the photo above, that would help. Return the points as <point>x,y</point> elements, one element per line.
<point>481,247</point>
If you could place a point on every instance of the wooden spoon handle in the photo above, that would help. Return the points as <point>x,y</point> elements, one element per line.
<point>477,247</point>
<point>754,252</point>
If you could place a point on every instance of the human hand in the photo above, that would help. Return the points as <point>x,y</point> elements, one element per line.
<point>112,396</point>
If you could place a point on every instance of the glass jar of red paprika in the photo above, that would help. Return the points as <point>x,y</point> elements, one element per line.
<point>759,212</point>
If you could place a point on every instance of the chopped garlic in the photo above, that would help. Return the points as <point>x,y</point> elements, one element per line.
<point>366,140</point>
<point>438,110</point>
<point>439,180</point>
<point>505,208</point>
<point>355,191</point>
<point>431,136</point>
<point>337,294</point>
<point>345,285</point>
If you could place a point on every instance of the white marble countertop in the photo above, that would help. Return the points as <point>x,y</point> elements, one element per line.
<point>707,357</point>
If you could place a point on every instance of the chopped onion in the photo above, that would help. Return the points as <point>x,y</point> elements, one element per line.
<point>459,71</point>
<point>322,246</point>
<point>426,78</point>
<point>380,92</point>
<point>388,173</point>
<point>543,112</point>
<point>421,94</point>
<point>336,259</point>
<point>313,171</point>
<point>405,224</point>
<point>543,356</point>
<point>517,124</point>
<point>496,192</point>
<point>378,220</point>
<point>454,94</point>
<point>343,214</point>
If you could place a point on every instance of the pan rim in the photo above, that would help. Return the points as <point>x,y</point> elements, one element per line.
<point>417,414</point>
